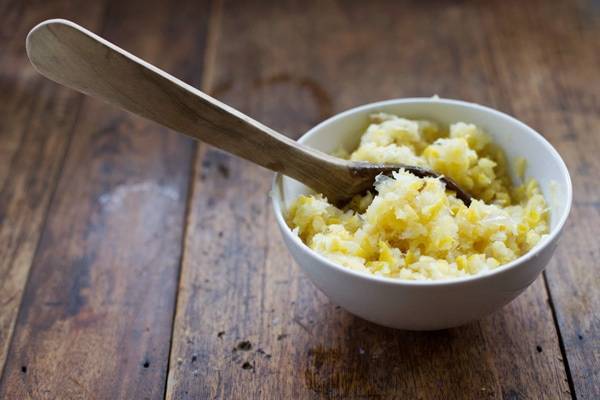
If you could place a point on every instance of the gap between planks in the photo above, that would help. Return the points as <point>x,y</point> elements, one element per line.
<point>102,21</point>
<point>209,60</point>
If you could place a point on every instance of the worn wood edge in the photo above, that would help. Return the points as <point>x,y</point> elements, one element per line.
<point>51,376</point>
<point>54,185</point>
<point>209,61</point>
<point>559,334</point>
<point>55,180</point>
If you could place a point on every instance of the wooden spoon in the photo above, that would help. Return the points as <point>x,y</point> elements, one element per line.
<point>77,58</point>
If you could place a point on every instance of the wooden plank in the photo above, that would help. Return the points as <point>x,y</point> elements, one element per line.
<point>573,277</point>
<point>36,120</point>
<point>96,316</point>
<point>560,97</point>
<point>290,65</point>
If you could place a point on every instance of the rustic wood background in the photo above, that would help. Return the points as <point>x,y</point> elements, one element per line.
<point>135,263</point>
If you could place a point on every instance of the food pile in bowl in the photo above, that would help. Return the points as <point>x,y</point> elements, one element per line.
<point>413,228</point>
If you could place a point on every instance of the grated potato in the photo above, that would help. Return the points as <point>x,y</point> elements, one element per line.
<point>412,228</point>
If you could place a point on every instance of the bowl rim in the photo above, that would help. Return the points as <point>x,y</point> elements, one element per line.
<point>535,252</point>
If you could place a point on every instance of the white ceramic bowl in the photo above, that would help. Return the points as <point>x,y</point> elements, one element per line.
<point>429,305</point>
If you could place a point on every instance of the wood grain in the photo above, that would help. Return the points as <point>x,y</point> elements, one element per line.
<point>289,65</point>
<point>96,314</point>
<point>36,121</point>
<point>560,96</point>
<point>96,317</point>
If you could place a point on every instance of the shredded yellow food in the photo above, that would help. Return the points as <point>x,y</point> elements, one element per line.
<point>412,228</point>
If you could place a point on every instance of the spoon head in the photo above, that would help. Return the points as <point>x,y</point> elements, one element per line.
<point>364,175</point>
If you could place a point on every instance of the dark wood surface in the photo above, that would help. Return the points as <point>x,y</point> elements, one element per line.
<point>137,264</point>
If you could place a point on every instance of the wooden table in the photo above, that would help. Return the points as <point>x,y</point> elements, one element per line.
<point>135,263</point>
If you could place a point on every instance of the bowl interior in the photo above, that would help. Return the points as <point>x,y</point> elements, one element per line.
<point>517,139</point>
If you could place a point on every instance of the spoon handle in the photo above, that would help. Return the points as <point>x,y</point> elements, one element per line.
<point>81,60</point>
